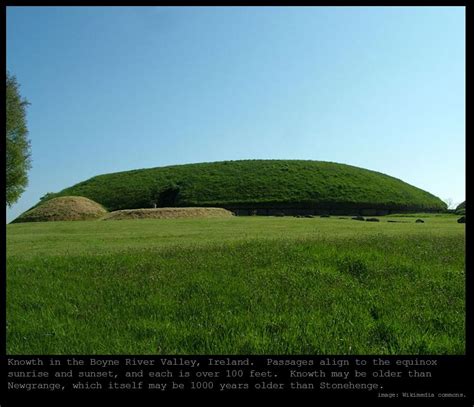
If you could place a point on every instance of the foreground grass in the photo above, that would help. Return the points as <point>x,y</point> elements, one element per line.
<point>237,286</point>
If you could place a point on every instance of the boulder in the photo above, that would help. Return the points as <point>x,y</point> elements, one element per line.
<point>358,218</point>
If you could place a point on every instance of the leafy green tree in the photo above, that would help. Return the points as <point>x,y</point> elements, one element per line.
<point>18,150</point>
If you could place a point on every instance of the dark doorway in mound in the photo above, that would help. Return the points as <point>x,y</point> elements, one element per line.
<point>169,196</point>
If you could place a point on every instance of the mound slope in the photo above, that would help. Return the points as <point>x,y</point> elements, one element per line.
<point>168,213</point>
<point>265,186</point>
<point>63,208</point>
<point>461,208</point>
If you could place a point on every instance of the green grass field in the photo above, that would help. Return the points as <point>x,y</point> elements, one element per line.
<point>242,285</point>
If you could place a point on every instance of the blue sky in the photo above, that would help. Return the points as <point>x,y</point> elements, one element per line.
<point>119,88</point>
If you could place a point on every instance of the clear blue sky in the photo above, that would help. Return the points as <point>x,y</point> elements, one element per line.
<point>119,88</point>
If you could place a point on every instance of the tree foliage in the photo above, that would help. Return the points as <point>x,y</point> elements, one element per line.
<point>18,152</point>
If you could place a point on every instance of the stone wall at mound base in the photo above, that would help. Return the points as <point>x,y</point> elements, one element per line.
<point>313,211</point>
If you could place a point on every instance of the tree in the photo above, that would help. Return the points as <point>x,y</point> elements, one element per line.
<point>449,203</point>
<point>18,151</point>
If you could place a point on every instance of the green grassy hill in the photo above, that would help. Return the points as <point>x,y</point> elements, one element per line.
<point>461,208</point>
<point>256,184</point>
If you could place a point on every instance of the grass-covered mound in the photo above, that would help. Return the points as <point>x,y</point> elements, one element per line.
<point>461,208</point>
<point>63,208</point>
<point>168,213</point>
<point>256,184</point>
